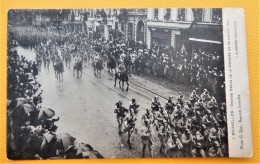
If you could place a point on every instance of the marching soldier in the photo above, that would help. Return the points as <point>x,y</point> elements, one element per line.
<point>198,146</point>
<point>193,97</point>
<point>215,150</point>
<point>129,123</point>
<point>147,138</point>
<point>148,116</point>
<point>162,134</point>
<point>120,114</point>
<point>169,106</point>
<point>156,105</point>
<point>187,140</point>
<point>134,105</point>
<point>174,146</point>
<point>180,99</point>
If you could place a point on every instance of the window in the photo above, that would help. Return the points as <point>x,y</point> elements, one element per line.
<point>122,26</point>
<point>181,14</point>
<point>199,15</point>
<point>216,15</point>
<point>115,11</point>
<point>168,14</point>
<point>109,13</point>
<point>155,14</point>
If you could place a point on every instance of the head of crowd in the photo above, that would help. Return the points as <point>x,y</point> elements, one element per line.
<point>31,129</point>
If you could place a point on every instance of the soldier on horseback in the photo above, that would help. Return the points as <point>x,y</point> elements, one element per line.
<point>58,68</point>
<point>121,67</point>
<point>78,66</point>
<point>122,76</point>
<point>97,58</point>
<point>77,58</point>
<point>98,65</point>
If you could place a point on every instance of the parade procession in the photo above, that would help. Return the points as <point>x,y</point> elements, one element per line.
<point>116,83</point>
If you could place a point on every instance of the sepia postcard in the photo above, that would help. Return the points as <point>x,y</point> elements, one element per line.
<point>127,83</point>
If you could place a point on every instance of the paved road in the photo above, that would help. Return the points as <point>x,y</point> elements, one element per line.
<point>86,108</point>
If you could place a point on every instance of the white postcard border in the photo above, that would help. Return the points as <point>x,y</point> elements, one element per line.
<point>237,83</point>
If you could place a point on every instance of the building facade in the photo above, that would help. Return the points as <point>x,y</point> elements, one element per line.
<point>74,21</point>
<point>173,26</point>
<point>170,26</point>
<point>135,25</point>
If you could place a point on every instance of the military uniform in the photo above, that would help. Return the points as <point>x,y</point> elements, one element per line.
<point>120,114</point>
<point>147,139</point>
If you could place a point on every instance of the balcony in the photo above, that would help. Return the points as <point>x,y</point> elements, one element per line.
<point>170,24</point>
<point>182,22</point>
<point>134,12</point>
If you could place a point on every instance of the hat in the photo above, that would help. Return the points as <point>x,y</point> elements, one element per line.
<point>174,134</point>
<point>203,126</point>
<point>209,112</point>
<point>198,112</point>
<point>216,143</point>
<point>187,131</point>
<point>199,145</point>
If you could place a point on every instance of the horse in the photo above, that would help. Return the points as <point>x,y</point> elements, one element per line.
<point>111,64</point>
<point>78,67</point>
<point>127,63</point>
<point>53,59</point>
<point>85,59</point>
<point>67,60</point>
<point>39,62</point>
<point>122,77</point>
<point>98,66</point>
<point>59,69</point>
<point>137,65</point>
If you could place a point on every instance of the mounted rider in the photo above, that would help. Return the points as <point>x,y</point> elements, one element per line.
<point>77,58</point>
<point>58,59</point>
<point>121,67</point>
<point>97,58</point>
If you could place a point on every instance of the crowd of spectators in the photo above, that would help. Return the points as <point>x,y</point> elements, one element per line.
<point>201,66</point>
<point>31,129</point>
